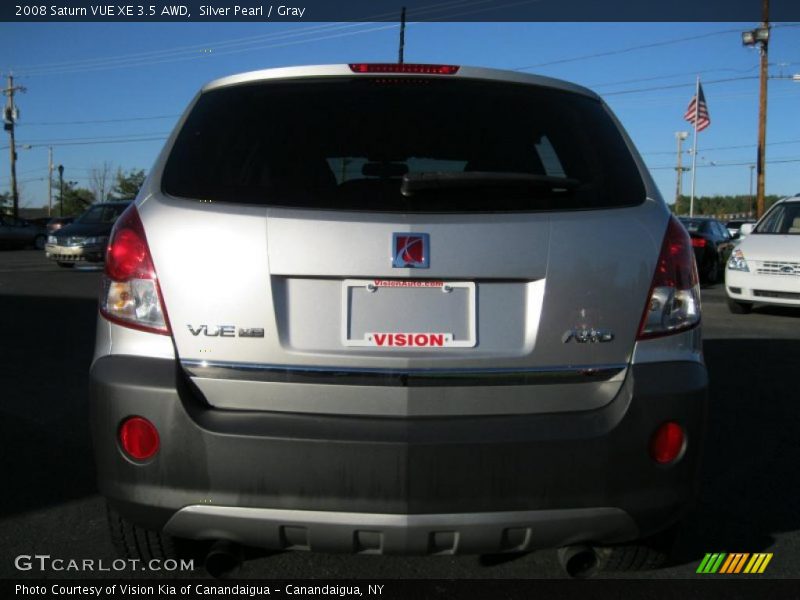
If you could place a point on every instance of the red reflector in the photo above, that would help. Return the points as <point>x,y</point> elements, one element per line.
<point>139,438</point>
<point>667,443</point>
<point>699,242</point>
<point>403,68</point>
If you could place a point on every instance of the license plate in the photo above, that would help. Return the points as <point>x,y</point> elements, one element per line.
<point>408,314</point>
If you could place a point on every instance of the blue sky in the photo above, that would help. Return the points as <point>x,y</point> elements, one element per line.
<point>77,72</point>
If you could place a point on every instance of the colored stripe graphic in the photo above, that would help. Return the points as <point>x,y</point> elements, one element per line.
<point>711,562</point>
<point>734,563</point>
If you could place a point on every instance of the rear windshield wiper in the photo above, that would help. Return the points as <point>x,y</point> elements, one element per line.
<point>453,180</point>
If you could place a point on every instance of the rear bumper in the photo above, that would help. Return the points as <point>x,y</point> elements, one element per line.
<point>397,485</point>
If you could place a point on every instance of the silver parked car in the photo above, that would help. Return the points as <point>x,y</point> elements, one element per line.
<point>393,309</point>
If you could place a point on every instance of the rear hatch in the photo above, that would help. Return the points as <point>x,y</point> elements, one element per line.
<point>402,245</point>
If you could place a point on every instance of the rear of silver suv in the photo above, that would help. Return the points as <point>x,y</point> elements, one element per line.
<point>398,309</point>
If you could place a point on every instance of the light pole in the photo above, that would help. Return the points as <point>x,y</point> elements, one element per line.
<point>760,37</point>
<point>750,211</point>
<point>680,136</point>
<point>61,193</point>
<point>49,180</point>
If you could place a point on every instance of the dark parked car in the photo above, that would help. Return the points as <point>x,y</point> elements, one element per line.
<point>15,232</point>
<point>57,223</point>
<point>712,245</point>
<point>85,239</point>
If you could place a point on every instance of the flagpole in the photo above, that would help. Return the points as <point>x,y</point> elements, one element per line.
<point>694,144</point>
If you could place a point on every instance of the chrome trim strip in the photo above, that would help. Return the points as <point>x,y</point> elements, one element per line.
<point>401,377</point>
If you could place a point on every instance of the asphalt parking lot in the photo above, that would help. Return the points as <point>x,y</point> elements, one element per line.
<point>750,498</point>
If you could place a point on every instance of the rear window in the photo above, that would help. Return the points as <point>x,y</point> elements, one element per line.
<point>365,144</point>
<point>694,225</point>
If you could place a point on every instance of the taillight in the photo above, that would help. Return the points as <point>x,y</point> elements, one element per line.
<point>139,438</point>
<point>699,242</point>
<point>403,68</point>
<point>673,304</point>
<point>131,295</point>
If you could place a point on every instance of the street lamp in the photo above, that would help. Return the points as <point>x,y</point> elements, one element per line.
<point>680,136</point>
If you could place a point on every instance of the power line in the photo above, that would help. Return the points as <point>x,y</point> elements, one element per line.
<point>89,122</point>
<point>730,164</point>
<point>626,50</point>
<point>89,143</point>
<point>53,141</point>
<point>677,85</point>
<point>725,147</point>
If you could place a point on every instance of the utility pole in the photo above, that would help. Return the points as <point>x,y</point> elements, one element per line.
<point>10,116</point>
<point>49,180</point>
<point>61,193</point>
<point>680,136</point>
<point>402,35</point>
<point>760,36</point>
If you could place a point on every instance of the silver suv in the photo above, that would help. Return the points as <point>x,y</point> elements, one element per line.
<point>395,308</point>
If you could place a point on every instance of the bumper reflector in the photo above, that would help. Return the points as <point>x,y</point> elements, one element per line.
<point>138,438</point>
<point>667,443</point>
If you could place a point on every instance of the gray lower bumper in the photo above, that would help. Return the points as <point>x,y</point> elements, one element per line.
<point>470,484</point>
<point>370,533</point>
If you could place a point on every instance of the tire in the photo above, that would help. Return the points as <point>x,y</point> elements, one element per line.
<point>39,241</point>
<point>739,308</point>
<point>643,555</point>
<point>66,265</point>
<point>712,271</point>
<point>134,542</point>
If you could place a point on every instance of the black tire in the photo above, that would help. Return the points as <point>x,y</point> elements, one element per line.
<point>39,241</point>
<point>712,271</point>
<point>739,308</point>
<point>642,555</point>
<point>66,265</point>
<point>132,541</point>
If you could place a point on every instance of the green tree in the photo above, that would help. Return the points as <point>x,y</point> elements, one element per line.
<point>720,205</point>
<point>75,201</point>
<point>5,203</point>
<point>127,184</point>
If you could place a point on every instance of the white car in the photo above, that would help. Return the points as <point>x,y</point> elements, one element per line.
<point>765,267</point>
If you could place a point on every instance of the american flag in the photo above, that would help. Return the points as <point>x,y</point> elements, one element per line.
<point>703,119</point>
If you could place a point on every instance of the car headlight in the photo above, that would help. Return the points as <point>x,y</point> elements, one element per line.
<point>737,262</point>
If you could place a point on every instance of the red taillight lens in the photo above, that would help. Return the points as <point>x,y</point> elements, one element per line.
<point>673,304</point>
<point>131,295</point>
<point>139,438</point>
<point>699,242</point>
<point>667,443</point>
<point>404,68</point>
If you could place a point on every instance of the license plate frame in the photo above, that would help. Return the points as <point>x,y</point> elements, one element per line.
<point>440,287</point>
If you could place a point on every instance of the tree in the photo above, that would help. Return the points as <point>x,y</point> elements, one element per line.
<point>100,180</point>
<point>5,202</point>
<point>127,184</point>
<point>75,201</point>
<point>720,205</point>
